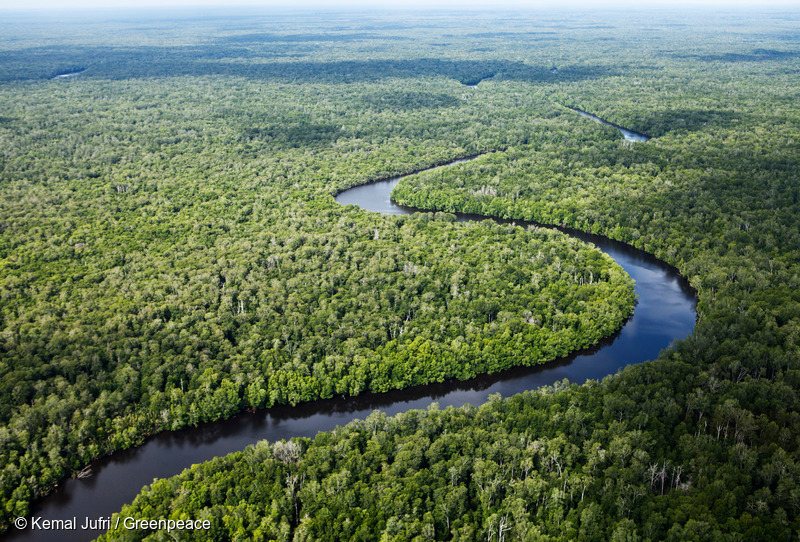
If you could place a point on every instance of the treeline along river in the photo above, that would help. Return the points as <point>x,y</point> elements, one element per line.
<point>666,311</point>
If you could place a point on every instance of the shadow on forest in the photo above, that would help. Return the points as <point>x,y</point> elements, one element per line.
<point>661,121</point>
<point>510,34</point>
<point>139,62</point>
<point>411,100</point>
<point>758,55</point>
<point>263,37</point>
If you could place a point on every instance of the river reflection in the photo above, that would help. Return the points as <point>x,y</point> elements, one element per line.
<point>665,312</point>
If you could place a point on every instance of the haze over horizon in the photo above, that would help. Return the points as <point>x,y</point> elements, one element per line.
<point>392,4</point>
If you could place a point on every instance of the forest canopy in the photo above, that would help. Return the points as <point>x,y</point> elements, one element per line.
<point>172,253</point>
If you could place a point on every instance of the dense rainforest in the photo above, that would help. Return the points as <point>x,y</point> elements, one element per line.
<point>171,253</point>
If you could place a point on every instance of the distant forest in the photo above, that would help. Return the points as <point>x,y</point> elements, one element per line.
<point>171,253</point>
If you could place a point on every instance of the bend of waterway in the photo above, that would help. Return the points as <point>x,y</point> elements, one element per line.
<point>666,311</point>
<point>65,75</point>
<point>629,135</point>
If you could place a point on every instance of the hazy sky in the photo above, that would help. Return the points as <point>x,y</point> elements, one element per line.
<point>554,4</point>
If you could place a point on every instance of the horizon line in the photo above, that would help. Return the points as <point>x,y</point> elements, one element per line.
<point>415,5</point>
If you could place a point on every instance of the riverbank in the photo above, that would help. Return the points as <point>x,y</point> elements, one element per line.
<point>665,311</point>
<point>629,135</point>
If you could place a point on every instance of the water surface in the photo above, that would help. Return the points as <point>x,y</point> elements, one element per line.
<point>629,135</point>
<point>665,312</point>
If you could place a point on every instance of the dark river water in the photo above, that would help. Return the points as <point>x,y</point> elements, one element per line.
<point>665,312</point>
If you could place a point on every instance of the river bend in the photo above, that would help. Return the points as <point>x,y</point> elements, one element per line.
<point>666,311</point>
<point>629,135</point>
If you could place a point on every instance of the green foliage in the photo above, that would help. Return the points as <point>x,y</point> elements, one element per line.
<point>171,253</point>
<point>571,462</point>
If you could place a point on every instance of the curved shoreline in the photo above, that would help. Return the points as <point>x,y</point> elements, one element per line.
<point>65,75</point>
<point>588,237</point>
<point>629,135</point>
<point>119,477</point>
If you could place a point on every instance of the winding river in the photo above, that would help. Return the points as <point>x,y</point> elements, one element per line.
<point>65,75</point>
<point>665,312</point>
<point>629,135</point>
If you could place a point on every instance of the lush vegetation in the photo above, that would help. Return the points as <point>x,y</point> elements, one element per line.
<point>701,444</point>
<point>171,252</point>
<point>592,462</point>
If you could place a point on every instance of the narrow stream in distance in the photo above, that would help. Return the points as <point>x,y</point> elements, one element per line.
<point>629,135</point>
<point>65,75</point>
<point>666,311</point>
